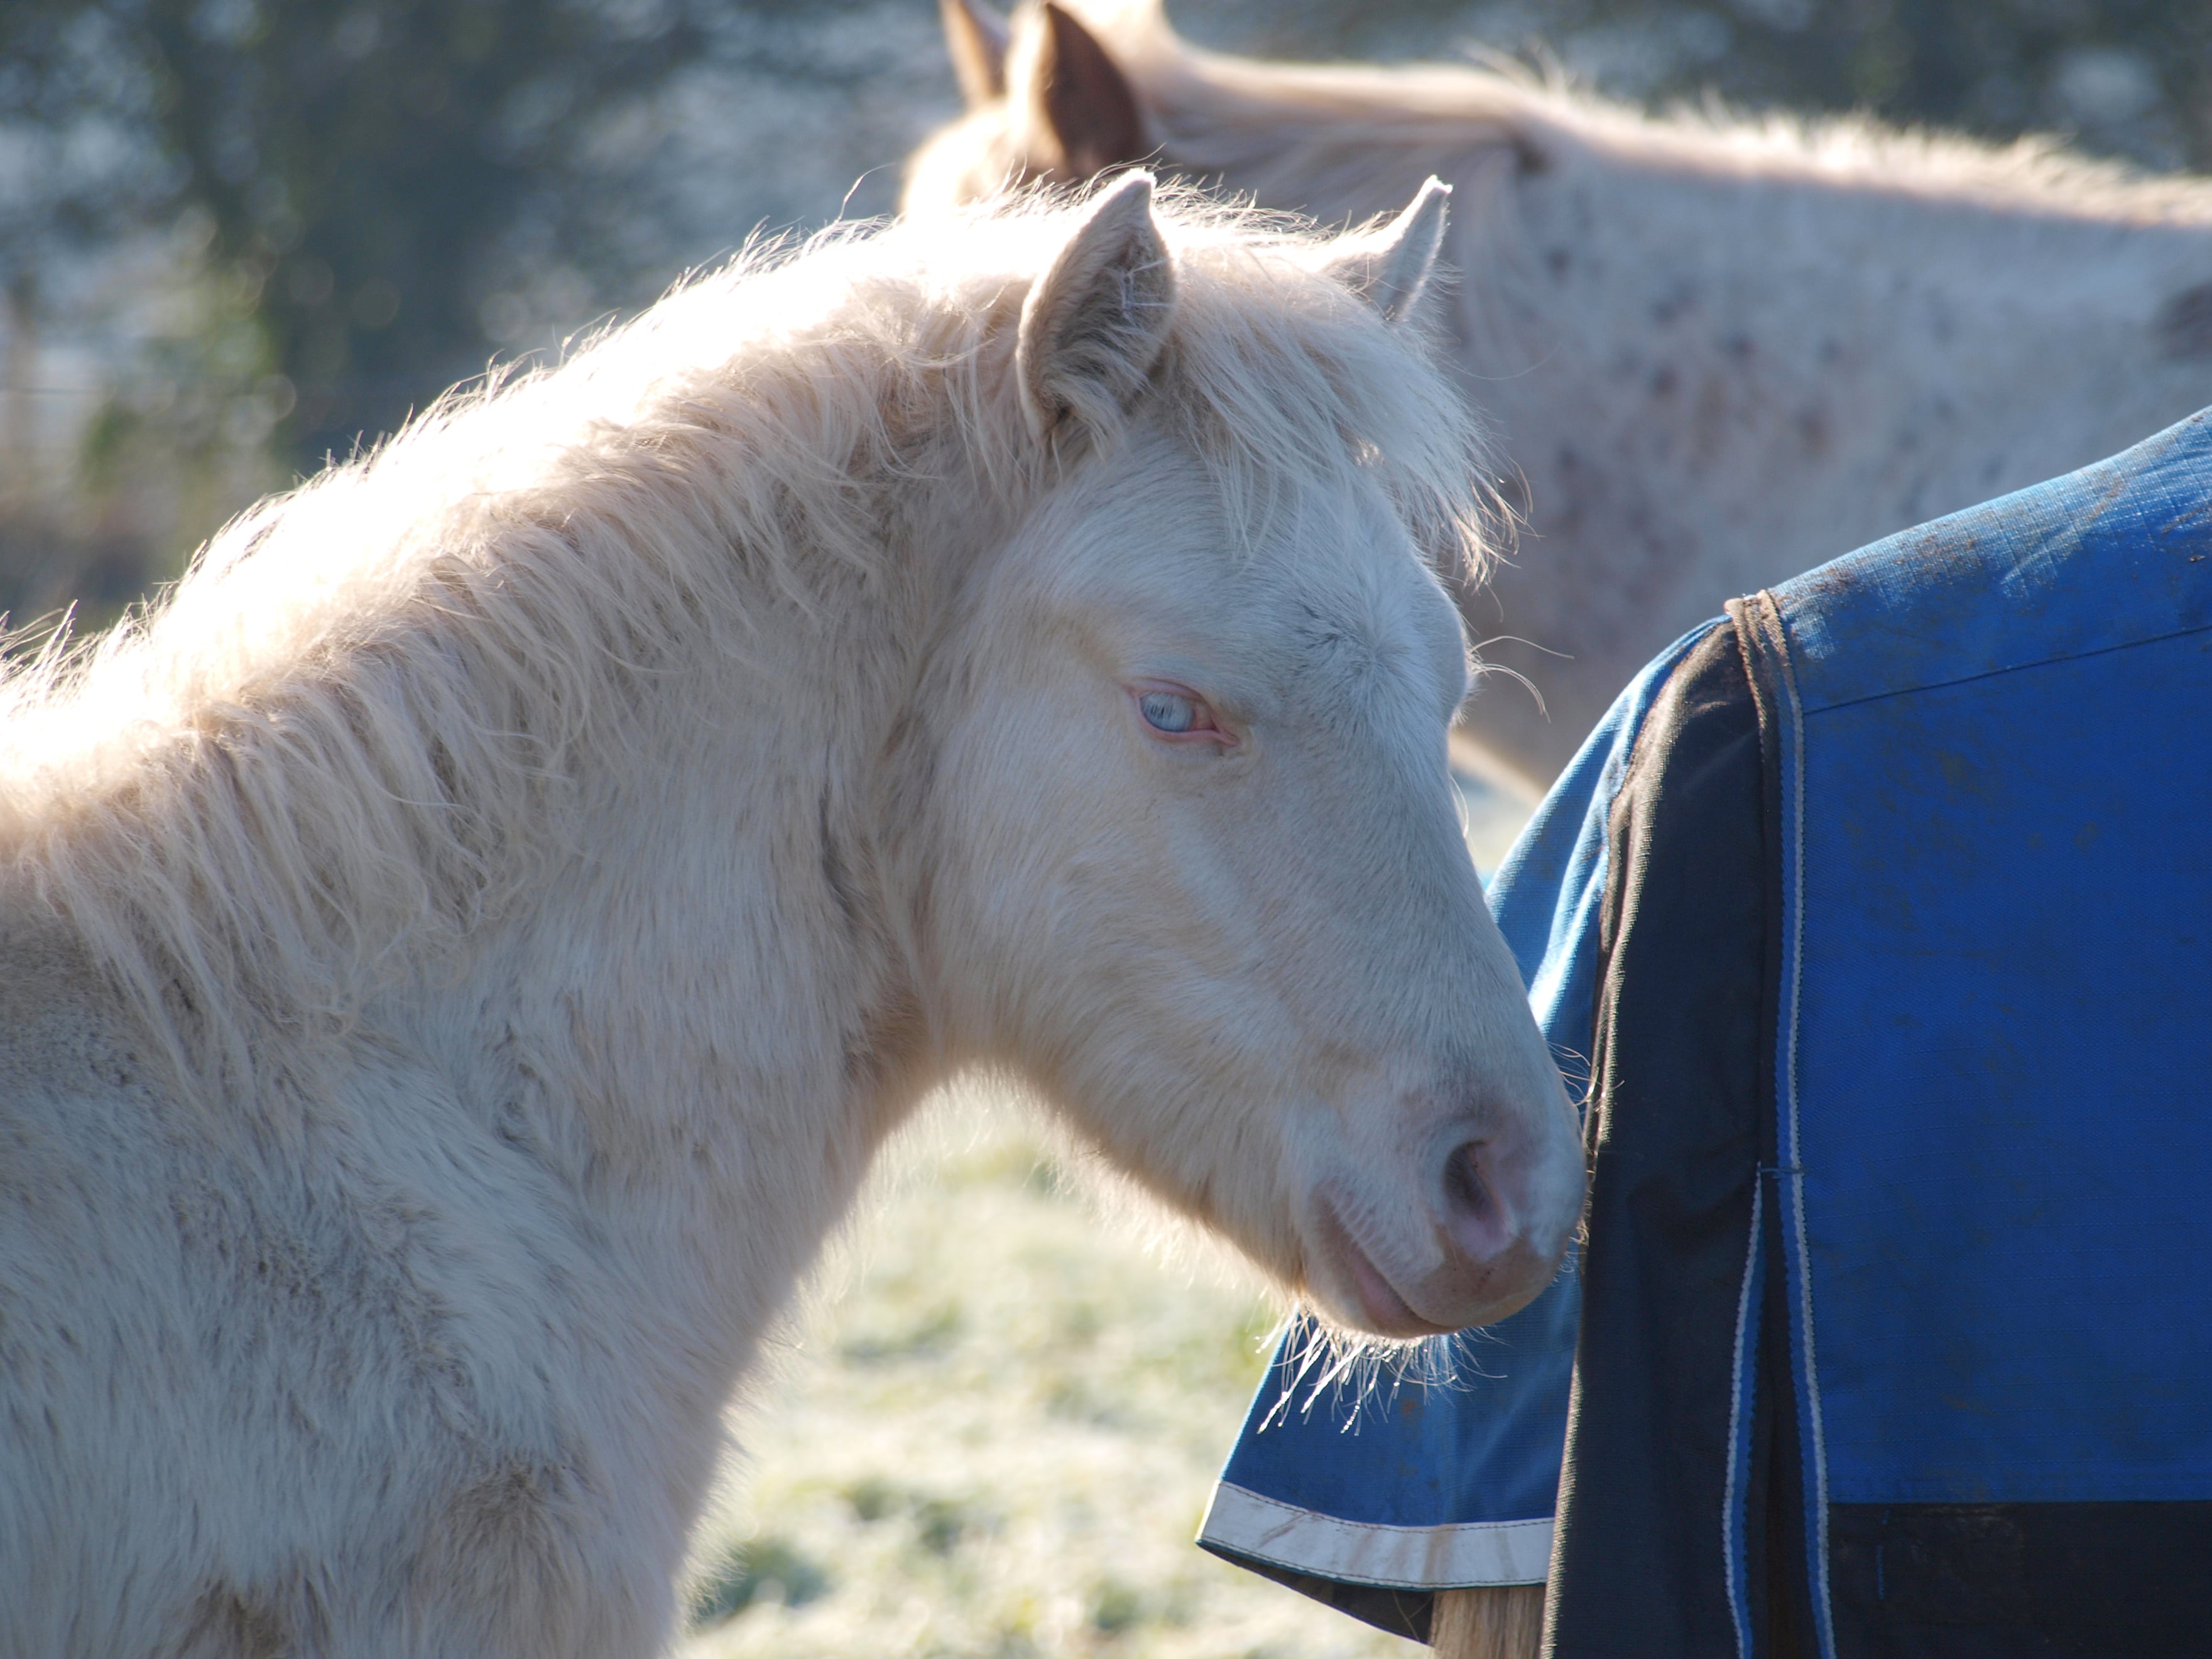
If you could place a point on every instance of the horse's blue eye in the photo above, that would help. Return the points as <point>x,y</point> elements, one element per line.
<point>1166,712</point>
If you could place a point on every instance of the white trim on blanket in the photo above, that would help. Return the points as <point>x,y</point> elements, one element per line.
<point>1356,1552</point>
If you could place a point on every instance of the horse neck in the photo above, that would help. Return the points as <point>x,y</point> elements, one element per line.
<point>585,849</point>
<point>703,1012</point>
<point>1583,229</point>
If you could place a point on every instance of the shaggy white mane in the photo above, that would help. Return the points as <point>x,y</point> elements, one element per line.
<point>1212,111</point>
<point>349,735</point>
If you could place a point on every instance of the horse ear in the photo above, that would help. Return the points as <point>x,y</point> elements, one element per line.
<point>1086,102</point>
<point>1096,320</point>
<point>1391,269</point>
<point>975,36</point>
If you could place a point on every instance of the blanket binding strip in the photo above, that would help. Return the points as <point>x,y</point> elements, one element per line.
<point>1794,890</point>
<point>1246,1522</point>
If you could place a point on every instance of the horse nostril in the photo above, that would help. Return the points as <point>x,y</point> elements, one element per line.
<point>1474,1218</point>
<point>1463,1185</point>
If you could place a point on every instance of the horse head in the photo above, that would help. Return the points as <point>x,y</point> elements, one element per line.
<point>1181,844</point>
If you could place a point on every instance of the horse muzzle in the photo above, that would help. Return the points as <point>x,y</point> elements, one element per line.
<point>1486,1241</point>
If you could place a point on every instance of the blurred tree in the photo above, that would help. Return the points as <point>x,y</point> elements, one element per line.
<point>360,166</point>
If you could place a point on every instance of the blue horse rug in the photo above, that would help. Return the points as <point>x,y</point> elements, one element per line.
<point>1877,920</point>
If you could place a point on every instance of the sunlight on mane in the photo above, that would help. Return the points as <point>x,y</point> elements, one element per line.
<point>346,738</point>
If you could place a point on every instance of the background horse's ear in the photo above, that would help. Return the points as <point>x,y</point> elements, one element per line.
<point>975,36</point>
<point>1391,269</point>
<point>1087,103</point>
<point>1094,323</point>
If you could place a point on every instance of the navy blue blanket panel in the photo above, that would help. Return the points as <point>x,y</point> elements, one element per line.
<point>1674,1127</point>
<point>1875,919</point>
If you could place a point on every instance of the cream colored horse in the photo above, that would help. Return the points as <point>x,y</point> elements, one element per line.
<point>460,954</point>
<point>1717,352</point>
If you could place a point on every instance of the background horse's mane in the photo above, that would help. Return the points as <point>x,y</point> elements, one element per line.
<point>354,732</point>
<point>1211,111</point>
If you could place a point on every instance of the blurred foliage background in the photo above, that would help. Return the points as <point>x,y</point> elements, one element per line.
<point>240,236</point>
